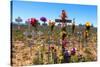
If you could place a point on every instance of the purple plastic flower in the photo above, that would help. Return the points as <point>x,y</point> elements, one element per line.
<point>43,19</point>
<point>67,56</point>
<point>28,21</point>
<point>73,51</point>
<point>67,53</point>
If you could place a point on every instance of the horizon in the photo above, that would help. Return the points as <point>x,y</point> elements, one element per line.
<point>52,11</point>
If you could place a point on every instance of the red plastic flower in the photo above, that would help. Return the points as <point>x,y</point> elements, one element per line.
<point>33,21</point>
<point>64,42</point>
<point>52,47</point>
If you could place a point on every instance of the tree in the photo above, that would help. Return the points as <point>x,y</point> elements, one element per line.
<point>80,25</point>
<point>18,20</point>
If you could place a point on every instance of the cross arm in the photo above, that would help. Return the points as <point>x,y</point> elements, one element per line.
<point>59,20</point>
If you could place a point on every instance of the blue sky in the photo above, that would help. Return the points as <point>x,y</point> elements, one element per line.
<point>29,9</point>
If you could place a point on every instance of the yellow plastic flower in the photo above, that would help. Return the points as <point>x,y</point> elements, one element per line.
<point>61,57</point>
<point>51,23</point>
<point>38,47</point>
<point>63,32</point>
<point>88,24</point>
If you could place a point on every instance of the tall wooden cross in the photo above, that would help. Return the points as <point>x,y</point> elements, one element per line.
<point>64,19</point>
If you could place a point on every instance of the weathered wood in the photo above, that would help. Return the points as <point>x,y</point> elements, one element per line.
<point>65,21</point>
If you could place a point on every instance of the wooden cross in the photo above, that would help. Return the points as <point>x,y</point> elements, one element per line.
<point>66,20</point>
<point>63,18</point>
